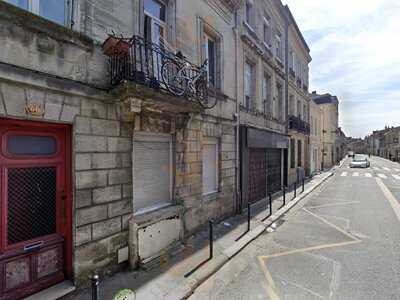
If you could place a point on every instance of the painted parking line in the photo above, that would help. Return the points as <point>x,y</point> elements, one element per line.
<point>386,169</point>
<point>383,176</point>
<point>396,176</point>
<point>344,174</point>
<point>389,196</point>
<point>356,174</point>
<point>368,175</point>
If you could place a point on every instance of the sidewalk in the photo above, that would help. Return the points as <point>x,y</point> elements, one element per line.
<point>168,280</point>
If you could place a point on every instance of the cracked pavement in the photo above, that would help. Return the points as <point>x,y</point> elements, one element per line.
<point>341,242</point>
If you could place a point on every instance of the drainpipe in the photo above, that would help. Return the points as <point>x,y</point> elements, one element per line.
<point>236,33</point>
<point>287,86</point>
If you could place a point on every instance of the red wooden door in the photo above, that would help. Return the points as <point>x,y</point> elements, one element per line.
<point>35,218</point>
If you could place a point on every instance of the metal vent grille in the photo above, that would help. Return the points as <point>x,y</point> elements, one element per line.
<point>31,203</point>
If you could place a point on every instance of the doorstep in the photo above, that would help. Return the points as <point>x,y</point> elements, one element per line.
<point>55,292</point>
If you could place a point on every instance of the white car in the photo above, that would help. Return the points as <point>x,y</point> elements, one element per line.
<point>360,161</point>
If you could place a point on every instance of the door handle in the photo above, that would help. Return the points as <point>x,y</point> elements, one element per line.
<point>63,198</point>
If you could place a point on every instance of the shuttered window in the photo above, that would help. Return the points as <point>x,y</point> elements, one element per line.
<point>210,167</point>
<point>152,171</point>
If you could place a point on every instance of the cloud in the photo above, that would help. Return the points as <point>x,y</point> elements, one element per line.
<point>355,50</point>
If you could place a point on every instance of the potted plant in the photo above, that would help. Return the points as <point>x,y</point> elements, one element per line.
<point>114,45</point>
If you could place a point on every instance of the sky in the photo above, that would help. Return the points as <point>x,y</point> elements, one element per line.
<point>355,47</point>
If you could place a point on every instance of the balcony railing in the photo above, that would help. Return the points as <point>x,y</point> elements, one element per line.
<point>295,123</point>
<point>142,63</point>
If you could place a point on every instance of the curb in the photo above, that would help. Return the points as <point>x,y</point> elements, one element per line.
<point>187,289</point>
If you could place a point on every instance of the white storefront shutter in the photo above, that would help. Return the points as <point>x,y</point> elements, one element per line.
<point>152,159</point>
<point>210,168</point>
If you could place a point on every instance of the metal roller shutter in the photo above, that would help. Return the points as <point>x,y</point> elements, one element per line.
<point>152,159</point>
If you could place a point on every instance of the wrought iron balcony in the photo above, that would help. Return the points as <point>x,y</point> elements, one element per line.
<point>297,124</point>
<point>150,66</point>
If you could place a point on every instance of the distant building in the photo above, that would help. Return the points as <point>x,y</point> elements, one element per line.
<point>316,137</point>
<point>392,144</point>
<point>330,110</point>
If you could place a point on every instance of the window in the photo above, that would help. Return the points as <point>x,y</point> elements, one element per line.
<point>152,171</point>
<point>248,84</point>
<point>278,46</point>
<point>154,21</point>
<point>31,145</point>
<point>299,109</point>
<point>267,32</point>
<point>53,10</point>
<point>279,106</point>
<point>305,113</point>
<point>292,106</point>
<point>210,51</point>
<point>312,125</point>
<point>210,167</point>
<point>249,13</point>
<point>292,153</point>
<point>291,59</point>
<point>299,150</point>
<point>266,93</point>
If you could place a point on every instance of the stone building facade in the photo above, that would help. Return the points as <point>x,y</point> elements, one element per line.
<point>97,143</point>
<point>299,103</point>
<point>330,111</point>
<point>316,137</point>
<point>261,98</point>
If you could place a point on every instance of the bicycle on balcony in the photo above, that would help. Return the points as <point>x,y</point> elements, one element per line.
<point>184,79</point>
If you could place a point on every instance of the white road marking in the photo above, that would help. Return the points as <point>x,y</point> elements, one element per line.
<point>375,168</point>
<point>383,176</point>
<point>389,196</point>
<point>386,169</point>
<point>355,174</point>
<point>368,175</point>
<point>344,174</point>
<point>396,176</point>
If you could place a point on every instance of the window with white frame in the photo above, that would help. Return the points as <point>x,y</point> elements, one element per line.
<point>154,21</point>
<point>210,166</point>
<point>53,10</point>
<point>248,84</point>
<point>278,46</point>
<point>210,52</point>
<point>152,171</point>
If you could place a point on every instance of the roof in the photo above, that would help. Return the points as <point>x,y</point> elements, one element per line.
<point>324,99</point>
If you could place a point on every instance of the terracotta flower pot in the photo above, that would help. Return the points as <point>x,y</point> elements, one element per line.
<point>113,45</point>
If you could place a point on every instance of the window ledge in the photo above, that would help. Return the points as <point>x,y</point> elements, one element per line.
<point>153,216</point>
<point>250,30</point>
<point>39,24</point>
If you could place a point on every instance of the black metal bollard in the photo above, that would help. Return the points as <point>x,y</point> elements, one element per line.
<point>95,287</point>
<point>302,187</point>
<point>270,204</point>
<point>248,217</point>
<point>210,224</point>
<point>284,195</point>
<point>295,190</point>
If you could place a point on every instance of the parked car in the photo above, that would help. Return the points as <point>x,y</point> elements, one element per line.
<point>360,161</point>
<point>350,154</point>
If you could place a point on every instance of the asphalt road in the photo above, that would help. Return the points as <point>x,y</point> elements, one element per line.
<point>342,242</point>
